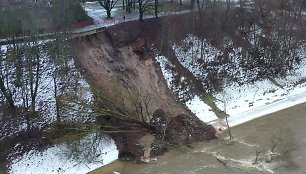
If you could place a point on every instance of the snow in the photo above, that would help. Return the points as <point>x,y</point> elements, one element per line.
<point>243,98</point>
<point>58,159</point>
<point>268,108</point>
<point>55,159</point>
<point>201,109</point>
<point>195,104</point>
<point>241,102</point>
<point>189,52</point>
<point>45,100</point>
<point>168,75</point>
<point>250,101</point>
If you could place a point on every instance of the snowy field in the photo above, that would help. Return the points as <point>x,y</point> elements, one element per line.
<point>61,159</point>
<point>242,102</point>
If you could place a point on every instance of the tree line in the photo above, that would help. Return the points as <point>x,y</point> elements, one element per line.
<point>141,5</point>
<point>16,19</point>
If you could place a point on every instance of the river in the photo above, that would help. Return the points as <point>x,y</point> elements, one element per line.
<point>284,129</point>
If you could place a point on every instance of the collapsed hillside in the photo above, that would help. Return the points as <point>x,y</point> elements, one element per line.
<point>122,64</point>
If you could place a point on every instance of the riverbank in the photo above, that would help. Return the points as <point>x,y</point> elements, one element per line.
<point>241,102</point>
<point>249,137</point>
<point>287,105</point>
<point>262,104</point>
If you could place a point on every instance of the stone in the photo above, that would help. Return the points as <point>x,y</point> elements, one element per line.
<point>159,122</point>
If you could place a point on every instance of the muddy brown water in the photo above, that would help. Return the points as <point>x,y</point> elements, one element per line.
<point>285,129</point>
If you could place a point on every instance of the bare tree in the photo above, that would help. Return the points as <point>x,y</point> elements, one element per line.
<point>224,107</point>
<point>108,5</point>
<point>143,6</point>
<point>228,4</point>
<point>4,80</point>
<point>58,56</point>
<point>156,8</point>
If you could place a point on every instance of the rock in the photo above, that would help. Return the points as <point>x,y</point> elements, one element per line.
<point>159,122</point>
<point>158,149</point>
<point>185,129</point>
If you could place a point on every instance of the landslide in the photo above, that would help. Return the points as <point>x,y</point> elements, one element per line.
<point>120,63</point>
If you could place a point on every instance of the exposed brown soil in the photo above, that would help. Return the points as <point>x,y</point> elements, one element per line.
<point>120,63</point>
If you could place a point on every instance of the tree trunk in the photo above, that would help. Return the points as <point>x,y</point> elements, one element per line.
<point>228,4</point>
<point>129,6</point>
<point>141,15</point>
<point>37,76</point>
<point>58,117</point>
<point>192,3</point>
<point>156,8</point>
<point>7,94</point>
<point>28,121</point>
<point>140,10</point>
<point>108,12</point>
<point>126,5</point>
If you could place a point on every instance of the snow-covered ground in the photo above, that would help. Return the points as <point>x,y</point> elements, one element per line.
<point>71,83</point>
<point>247,102</point>
<point>242,102</point>
<point>63,159</point>
<point>60,158</point>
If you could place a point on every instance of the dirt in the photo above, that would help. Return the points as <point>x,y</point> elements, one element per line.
<point>125,72</point>
<point>120,64</point>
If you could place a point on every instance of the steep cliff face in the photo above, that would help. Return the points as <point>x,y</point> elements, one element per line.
<point>126,72</point>
<point>120,63</point>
